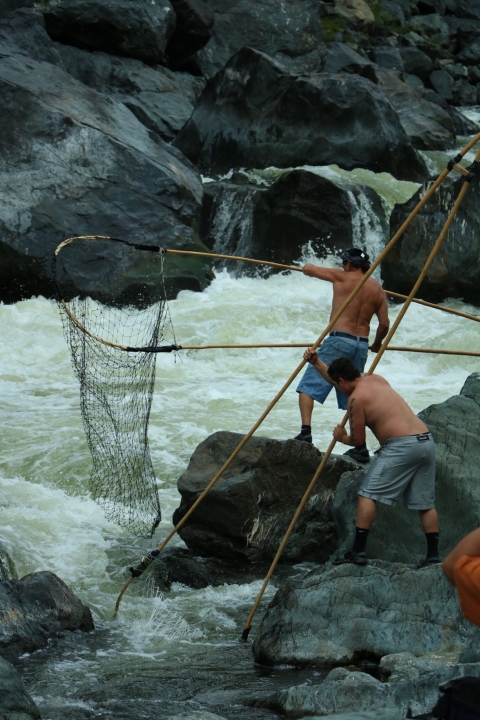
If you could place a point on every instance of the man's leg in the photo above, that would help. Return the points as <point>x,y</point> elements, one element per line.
<point>365,516</point>
<point>429,520</point>
<point>305,403</point>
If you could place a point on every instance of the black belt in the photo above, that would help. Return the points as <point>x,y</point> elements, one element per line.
<point>340,333</point>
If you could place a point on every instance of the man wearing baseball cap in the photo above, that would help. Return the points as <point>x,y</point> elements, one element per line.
<point>348,337</point>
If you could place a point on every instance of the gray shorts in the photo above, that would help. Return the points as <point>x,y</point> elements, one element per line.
<point>403,468</point>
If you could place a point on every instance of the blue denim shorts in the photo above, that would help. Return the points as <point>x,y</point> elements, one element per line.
<point>313,384</point>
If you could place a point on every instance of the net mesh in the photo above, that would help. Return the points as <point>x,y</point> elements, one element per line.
<point>112,291</point>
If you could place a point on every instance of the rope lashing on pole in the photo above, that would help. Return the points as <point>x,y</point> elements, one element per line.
<point>150,558</point>
<point>377,359</point>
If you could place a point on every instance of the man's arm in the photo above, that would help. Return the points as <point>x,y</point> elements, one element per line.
<point>311,356</point>
<point>383,324</point>
<point>323,273</point>
<point>356,418</point>
<point>470,545</point>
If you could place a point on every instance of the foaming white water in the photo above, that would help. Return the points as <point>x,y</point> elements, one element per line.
<point>47,517</point>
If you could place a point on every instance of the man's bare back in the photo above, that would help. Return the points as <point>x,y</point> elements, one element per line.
<point>375,404</point>
<point>371,300</point>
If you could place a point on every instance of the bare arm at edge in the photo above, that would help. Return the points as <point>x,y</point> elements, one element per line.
<point>310,355</point>
<point>322,273</point>
<point>356,418</point>
<point>383,324</point>
<point>470,545</point>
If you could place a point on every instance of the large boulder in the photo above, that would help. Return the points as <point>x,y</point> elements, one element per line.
<point>161,99</point>
<point>74,162</point>
<point>300,207</point>
<point>361,696</point>
<point>255,113</point>
<point>246,514</point>
<point>36,608</point>
<point>289,32</point>
<point>133,28</point>
<point>193,29</point>
<point>455,272</point>
<point>366,612</point>
<point>23,32</point>
<point>15,702</point>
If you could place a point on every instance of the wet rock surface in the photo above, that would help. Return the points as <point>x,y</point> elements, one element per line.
<point>454,272</point>
<point>120,27</point>
<point>15,702</point>
<point>76,162</point>
<point>161,99</point>
<point>246,514</point>
<point>255,113</point>
<point>299,208</point>
<point>36,608</point>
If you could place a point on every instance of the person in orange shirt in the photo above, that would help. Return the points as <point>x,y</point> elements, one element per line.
<point>462,569</point>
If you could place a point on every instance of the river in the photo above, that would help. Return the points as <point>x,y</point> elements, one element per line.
<point>180,652</point>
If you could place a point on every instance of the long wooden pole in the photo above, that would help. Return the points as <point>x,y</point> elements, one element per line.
<point>397,348</point>
<point>377,359</point>
<point>150,558</point>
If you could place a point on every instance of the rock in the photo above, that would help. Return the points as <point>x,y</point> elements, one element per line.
<point>367,612</point>
<point>355,11</point>
<point>15,702</point>
<point>463,126</point>
<point>193,30</point>
<point>360,695</point>
<point>470,54</point>
<point>468,9</point>
<point>341,58</point>
<point>290,33</point>
<point>161,99</point>
<point>300,207</point>
<point>133,28</point>
<point>7,567</point>
<point>442,83</point>
<point>256,114</point>
<point>454,272</point>
<point>432,24</point>
<point>427,125</point>
<point>388,58</point>
<point>416,62</point>
<point>195,715</point>
<point>23,32</point>
<point>36,608</point>
<point>464,93</point>
<point>76,162</point>
<point>246,514</point>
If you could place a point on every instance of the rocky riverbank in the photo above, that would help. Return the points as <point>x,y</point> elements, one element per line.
<point>393,633</point>
<point>100,98</point>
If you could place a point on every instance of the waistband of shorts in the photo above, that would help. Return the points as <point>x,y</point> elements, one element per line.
<point>410,439</point>
<point>340,333</point>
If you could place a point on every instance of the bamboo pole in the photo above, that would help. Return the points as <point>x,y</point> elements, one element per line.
<point>398,348</point>
<point>459,313</point>
<point>150,558</point>
<point>372,367</point>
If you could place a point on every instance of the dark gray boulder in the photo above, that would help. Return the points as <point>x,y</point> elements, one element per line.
<point>366,612</point>
<point>442,83</point>
<point>455,270</point>
<point>193,30</point>
<point>246,514</point>
<point>161,99</point>
<point>15,702</point>
<point>301,207</point>
<point>416,62</point>
<point>7,566</point>
<point>255,113</point>
<point>23,32</point>
<point>36,608</point>
<point>342,58</point>
<point>75,162</point>
<point>361,696</point>
<point>428,126</point>
<point>133,28</point>
<point>10,6</point>
<point>290,33</point>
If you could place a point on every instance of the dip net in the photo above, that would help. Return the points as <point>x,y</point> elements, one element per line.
<point>114,312</point>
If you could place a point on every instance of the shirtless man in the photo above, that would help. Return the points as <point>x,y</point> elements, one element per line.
<point>405,464</point>
<point>349,335</point>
